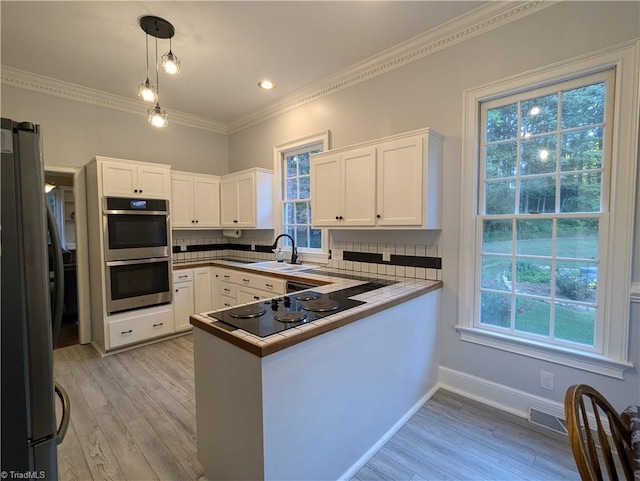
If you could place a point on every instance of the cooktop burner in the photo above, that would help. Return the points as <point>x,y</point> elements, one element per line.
<point>246,312</point>
<point>290,316</point>
<point>320,305</point>
<point>279,314</point>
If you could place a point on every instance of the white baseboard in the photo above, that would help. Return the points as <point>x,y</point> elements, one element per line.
<point>497,395</point>
<point>364,459</point>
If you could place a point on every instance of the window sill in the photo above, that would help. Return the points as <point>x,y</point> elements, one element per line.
<point>567,357</point>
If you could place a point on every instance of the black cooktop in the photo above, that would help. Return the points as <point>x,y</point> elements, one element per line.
<point>279,314</point>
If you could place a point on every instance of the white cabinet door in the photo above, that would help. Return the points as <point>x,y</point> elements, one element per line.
<point>206,202</point>
<point>215,289</point>
<point>325,191</point>
<point>181,201</point>
<point>154,182</point>
<point>229,203</point>
<point>247,201</point>
<point>202,289</point>
<point>133,180</point>
<point>119,179</point>
<point>358,175</point>
<point>400,182</point>
<point>184,304</point>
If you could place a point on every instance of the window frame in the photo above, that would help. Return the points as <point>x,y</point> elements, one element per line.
<point>618,238</point>
<point>280,152</point>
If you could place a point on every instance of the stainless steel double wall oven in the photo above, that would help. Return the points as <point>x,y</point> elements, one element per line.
<point>137,252</point>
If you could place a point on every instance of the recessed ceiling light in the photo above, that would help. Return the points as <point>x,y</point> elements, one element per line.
<point>266,84</point>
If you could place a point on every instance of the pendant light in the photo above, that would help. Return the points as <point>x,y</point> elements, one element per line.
<point>170,62</point>
<point>157,116</point>
<point>146,90</point>
<point>159,28</point>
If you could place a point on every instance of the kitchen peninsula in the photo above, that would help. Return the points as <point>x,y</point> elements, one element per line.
<point>315,401</point>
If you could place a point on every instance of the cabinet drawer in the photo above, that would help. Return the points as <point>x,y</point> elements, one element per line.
<point>185,275</point>
<point>227,301</point>
<point>262,283</point>
<point>228,276</point>
<point>138,329</point>
<point>227,289</point>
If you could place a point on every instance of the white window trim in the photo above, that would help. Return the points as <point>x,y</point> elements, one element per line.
<point>625,59</point>
<point>324,137</point>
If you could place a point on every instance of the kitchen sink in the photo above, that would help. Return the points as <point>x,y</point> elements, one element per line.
<point>282,266</point>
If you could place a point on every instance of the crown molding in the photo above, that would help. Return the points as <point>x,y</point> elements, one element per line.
<point>460,29</point>
<point>465,27</point>
<point>59,88</point>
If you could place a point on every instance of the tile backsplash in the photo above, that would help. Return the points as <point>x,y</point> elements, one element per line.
<point>406,260</point>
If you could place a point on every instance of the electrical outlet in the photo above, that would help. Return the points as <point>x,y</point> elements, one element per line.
<point>253,246</point>
<point>183,246</point>
<point>336,254</point>
<point>386,255</point>
<point>546,380</point>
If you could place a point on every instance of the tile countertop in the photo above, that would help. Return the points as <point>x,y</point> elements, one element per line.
<point>377,300</point>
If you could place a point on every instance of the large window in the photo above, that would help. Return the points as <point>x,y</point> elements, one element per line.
<point>545,157</point>
<point>292,161</point>
<point>297,198</point>
<point>550,159</point>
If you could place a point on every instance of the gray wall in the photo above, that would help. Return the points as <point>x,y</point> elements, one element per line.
<point>75,132</point>
<point>429,93</point>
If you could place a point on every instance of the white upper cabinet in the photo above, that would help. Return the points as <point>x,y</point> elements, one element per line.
<point>343,188</point>
<point>135,179</point>
<point>393,182</point>
<point>195,201</point>
<point>246,199</point>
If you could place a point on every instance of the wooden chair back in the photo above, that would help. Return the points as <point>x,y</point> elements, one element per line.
<point>593,448</point>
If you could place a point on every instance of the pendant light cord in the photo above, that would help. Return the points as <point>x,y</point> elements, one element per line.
<point>157,78</point>
<point>147,38</point>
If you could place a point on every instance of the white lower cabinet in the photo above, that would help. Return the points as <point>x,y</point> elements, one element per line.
<point>141,326</point>
<point>183,298</point>
<point>202,289</point>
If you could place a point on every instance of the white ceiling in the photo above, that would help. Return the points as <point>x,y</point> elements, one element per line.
<point>225,47</point>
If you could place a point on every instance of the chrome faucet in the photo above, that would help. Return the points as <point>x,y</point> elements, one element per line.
<point>294,251</point>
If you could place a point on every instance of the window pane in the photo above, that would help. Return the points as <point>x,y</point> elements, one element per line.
<point>302,213</point>
<point>495,309</point>
<point>538,195</point>
<point>534,237</point>
<point>581,150</point>
<point>302,236</point>
<point>576,281</point>
<point>315,238</point>
<point>292,189</point>
<point>501,160</point>
<point>533,316</point>
<point>538,155</point>
<point>291,230</point>
<point>303,164</point>
<point>583,106</point>
<point>502,123</point>
<point>289,213</point>
<point>496,273</point>
<point>533,277</point>
<point>575,323</point>
<point>292,166</point>
<point>580,193</point>
<point>578,238</point>
<point>500,197</point>
<point>303,186</point>
<point>497,236</point>
<point>539,115</point>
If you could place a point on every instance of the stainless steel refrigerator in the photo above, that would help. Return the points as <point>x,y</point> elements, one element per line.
<point>31,309</point>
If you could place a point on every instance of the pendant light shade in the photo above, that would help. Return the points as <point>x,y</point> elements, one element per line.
<point>158,117</point>
<point>159,28</point>
<point>170,62</point>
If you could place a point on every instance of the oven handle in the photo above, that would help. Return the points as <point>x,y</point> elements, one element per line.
<point>138,261</point>
<point>135,212</point>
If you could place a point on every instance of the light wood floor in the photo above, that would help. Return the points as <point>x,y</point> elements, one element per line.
<point>133,418</point>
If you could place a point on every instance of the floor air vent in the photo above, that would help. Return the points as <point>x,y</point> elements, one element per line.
<point>547,420</point>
